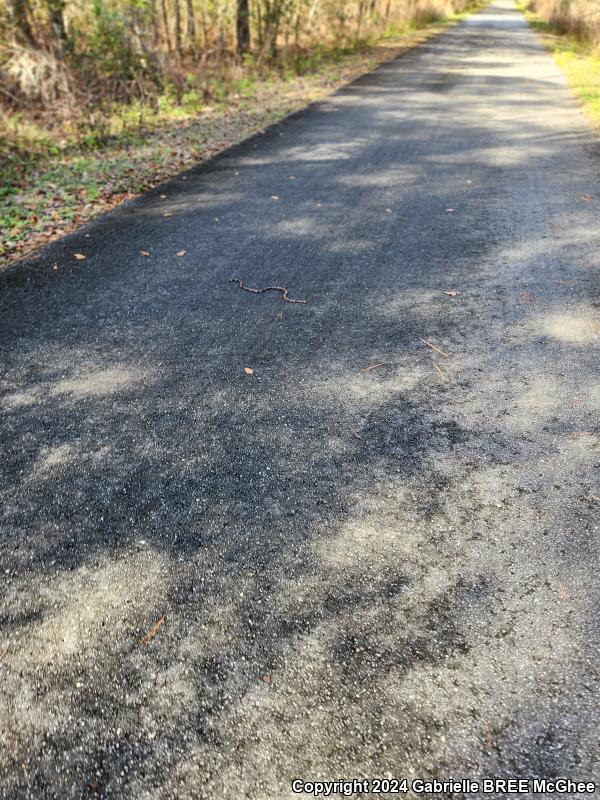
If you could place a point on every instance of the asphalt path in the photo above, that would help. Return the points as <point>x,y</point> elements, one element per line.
<point>369,557</point>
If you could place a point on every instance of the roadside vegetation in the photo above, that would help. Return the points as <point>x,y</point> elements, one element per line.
<point>102,99</point>
<point>570,29</point>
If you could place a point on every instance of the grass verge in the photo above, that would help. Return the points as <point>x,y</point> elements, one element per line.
<point>52,185</point>
<point>579,61</point>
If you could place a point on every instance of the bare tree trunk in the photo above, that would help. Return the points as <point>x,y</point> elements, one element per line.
<point>203,25</point>
<point>191,23</point>
<point>272,23</point>
<point>19,14</point>
<point>177,27</point>
<point>56,10</point>
<point>243,26</point>
<point>259,26</point>
<point>297,24</point>
<point>287,26</point>
<point>312,12</point>
<point>166,24</point>
<point>361,13</point>
<point>221,45</point>
<point>154,20</point>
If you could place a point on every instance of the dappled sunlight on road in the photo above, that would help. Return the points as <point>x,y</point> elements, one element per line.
<point>99,382</point>
<point>366,527</point>
<point>77,623</point>
<point>570,326</point>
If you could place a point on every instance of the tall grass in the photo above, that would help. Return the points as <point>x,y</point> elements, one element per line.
<point>577,18</point>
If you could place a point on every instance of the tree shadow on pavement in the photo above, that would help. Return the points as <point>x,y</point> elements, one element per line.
<point>366,553</point>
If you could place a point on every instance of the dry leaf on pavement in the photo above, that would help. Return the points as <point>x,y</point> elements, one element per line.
<point>152,632</point>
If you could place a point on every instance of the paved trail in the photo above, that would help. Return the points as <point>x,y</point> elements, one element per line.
<point>361,572</point>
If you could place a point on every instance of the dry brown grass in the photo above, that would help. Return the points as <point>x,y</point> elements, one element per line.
<point>34,79</point>
<point>578,18</point>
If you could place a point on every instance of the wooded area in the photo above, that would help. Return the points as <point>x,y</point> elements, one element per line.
<point>61,55</point>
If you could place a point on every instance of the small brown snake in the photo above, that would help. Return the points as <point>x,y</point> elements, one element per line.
<point>281,289</point>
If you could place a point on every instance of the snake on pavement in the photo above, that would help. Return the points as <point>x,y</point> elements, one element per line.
<point>281,289</point>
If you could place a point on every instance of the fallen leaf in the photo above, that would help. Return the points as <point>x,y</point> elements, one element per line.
<point>181,253</point>
<point>564,283</point>
<point>587,197</point>
<point>267,678</point>
<point>79,256</point>
<point>579,434</point>
<point>144,253</point>
<point>152,632</point>
<point>452,293</point>
<point>248,371</point>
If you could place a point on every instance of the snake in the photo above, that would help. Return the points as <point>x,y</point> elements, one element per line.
<point>282,289</point>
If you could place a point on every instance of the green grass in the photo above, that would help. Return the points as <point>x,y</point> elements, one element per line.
<point>579,60</point>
